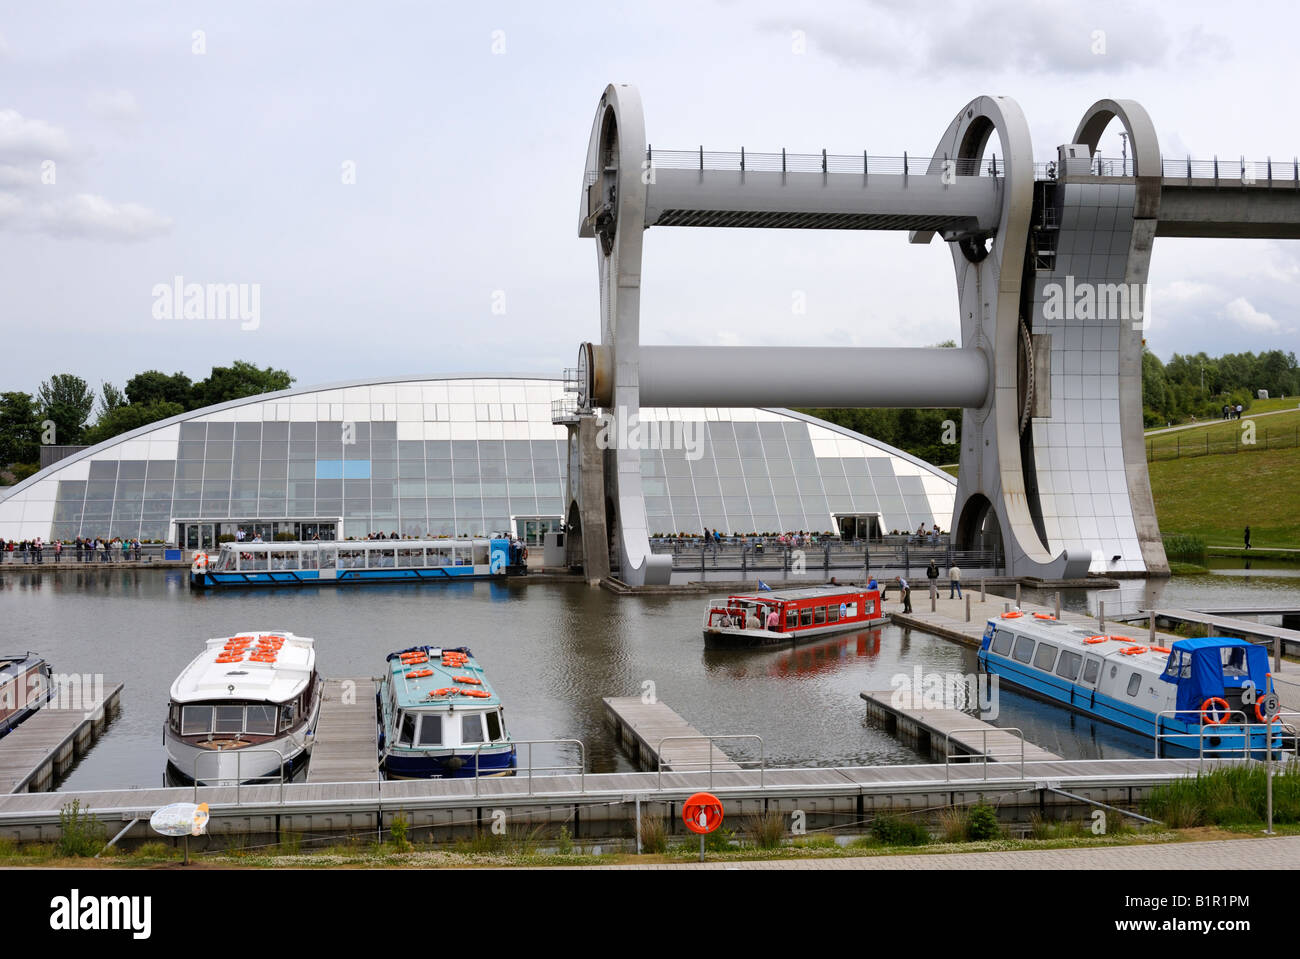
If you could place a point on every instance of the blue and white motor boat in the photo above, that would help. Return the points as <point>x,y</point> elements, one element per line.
<point>1199,696</point>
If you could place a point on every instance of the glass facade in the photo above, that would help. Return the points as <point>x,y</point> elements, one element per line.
<point>459,456</point>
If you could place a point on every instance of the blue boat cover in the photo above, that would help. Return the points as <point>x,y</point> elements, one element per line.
<point>1205,667</point>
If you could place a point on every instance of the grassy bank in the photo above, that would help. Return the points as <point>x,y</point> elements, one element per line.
<point>1215,497</point>
<point>1281,430</point>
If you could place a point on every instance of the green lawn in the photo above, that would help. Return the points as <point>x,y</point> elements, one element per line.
<point>1215,497</point>
<point>1225,436</point>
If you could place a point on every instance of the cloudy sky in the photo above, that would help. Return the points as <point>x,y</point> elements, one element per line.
<point>401,180</point>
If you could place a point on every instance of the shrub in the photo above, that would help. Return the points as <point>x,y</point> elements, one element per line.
<point>153,850</point>
<point>953,822</point>
<point>80,833</point>
<point>767,830</point>
<point>1185,547</point>
<point>982,823</point>
<point>893,831</point>
<point>654,835</point>
<point>397,830</point>
<point>564,845</point>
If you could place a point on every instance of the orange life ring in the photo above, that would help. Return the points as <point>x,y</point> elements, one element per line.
<point>1044,616</point>
<point>476,693</point>
<point>445,691</point>
<point>1094,640</point>
<point>1161,649</point>
<point>1205,707</point>
<point>419,674</point>
<point>1264,719</point>
<point>1014,614</point>
<point>1135,650</point>
<point>468,679</point>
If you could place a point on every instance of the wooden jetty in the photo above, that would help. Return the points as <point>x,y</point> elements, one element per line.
<point>35,754</point>
<point>346,747</point>
<point>946,733</point>
<point>642,728</point>
<point>1231,626</point>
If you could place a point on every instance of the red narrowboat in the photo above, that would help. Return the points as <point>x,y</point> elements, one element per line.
<point>783,616</point>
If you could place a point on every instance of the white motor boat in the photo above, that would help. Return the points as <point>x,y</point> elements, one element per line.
<point>244,709</point>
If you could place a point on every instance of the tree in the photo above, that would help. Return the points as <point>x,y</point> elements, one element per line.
<point>153,386</point>
<point>66,400</point>
<point>110,398</point>
<point>132,416</point>
<point>20,431</point>
<point>236,381</point>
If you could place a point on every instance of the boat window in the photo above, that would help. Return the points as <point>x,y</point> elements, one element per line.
<point>1023,651</point>
<point>791,618</point>
<point>1090,670</point>
<point>494,726</point>
<point>1179,666</point>
<point>819,615</point>
<point>174,719</point>
<point>1045,658</point>
<point>407,735</point>
<point>195,720</point>
<point>431,731</point>
<point>851,610</point>
<point>1234,661</point>
<point>1134,684</point>
<point>832,614</point>
<point>805,617</point>
<point>260,719</point>
<point>1068,666</point>
<point>287,715</point>
<point>471,728</point>
<point>480,554</point>
<point>230,719</point>
<point>1002,642</point>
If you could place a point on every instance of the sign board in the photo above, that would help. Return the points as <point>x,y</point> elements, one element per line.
<point>180,819</point>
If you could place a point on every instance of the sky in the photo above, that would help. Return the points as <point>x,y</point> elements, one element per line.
<point>398,183</point>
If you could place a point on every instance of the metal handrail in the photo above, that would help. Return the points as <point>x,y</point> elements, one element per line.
<point>948,755</point>
<point>864,164</point>
<point>580,765</point>
<point>239,762</point>
<point>659,752</point>
<point>1206,729</point>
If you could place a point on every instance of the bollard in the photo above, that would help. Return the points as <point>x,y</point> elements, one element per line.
<point>1151,630</point>
<point>968,607</point>
<point>1101,616</point>
<point>1006,607</point>
<point>1058,604</point>
<point>934,595</point>
<point>1017,595</point>
<point>982,596</point>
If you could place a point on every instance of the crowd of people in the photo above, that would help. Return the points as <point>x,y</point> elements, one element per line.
<point>86,550</point>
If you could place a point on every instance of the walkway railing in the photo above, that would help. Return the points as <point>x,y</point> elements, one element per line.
<point>983,756</point>
<point>1240,728</point>
<point>864,164</point>
<point>580,765</point>
<point>659,752</point>
<point>744,558</point>
<point>1227,171</point>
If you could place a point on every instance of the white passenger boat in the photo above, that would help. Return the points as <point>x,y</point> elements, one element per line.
<point>244,709</point>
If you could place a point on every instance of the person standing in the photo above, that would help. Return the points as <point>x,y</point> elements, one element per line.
<point>905,592</point>
<point>932,574</point>
<point>58,550</point>
<point>954,581</point>
<point>773,620</point>
<point>1247,537</point>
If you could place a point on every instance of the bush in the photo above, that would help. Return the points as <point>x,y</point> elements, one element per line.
<point>982,823</point>
<point>953,822</point>
<point>397,830</point>
<point>654,835</point>
<point>893,831</point>
<point>767,831</point>
<point>1185,547</point>
<point>80,833</point>
<point>153,850</point>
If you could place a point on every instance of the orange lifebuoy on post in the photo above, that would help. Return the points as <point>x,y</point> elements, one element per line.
<point>1209,717</point>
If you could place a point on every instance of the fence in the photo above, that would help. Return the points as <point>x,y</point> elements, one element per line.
<point>827,558</point>
<point>149,553</point>
<point>1177,446</point>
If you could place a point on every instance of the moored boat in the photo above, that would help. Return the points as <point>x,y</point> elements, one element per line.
<point>25,686</point>
<point>333,563</point>
<point>244,709</point>
<point>1195,695</point>
<point>783,616</point>
<point>439,717</point>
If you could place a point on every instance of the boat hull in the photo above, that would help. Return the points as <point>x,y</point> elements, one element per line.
<point>734,638</point>
<point>450,765</point>
<point>252,763</point>
<point>342,577</point>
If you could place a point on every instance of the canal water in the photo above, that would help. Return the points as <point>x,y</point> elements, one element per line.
<point>553,651</point>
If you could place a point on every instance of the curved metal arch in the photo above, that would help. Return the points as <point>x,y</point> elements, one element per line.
<point>1147,165</point>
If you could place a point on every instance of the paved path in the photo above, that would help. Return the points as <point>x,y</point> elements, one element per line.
<point>1279,852</point>
<point>1246,415</point>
